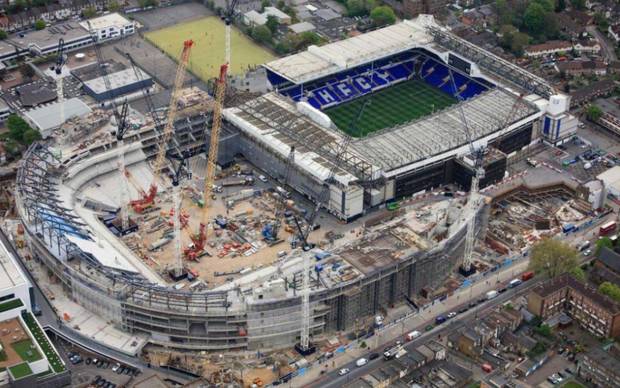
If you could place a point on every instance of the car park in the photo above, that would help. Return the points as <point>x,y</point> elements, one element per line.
<point>343,371</point>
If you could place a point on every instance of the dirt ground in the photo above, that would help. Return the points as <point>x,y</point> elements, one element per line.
<point>252,212</point>
<point>11,331</point>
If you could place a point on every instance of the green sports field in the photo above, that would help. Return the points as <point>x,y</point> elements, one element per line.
<point>389,107</point>
<point>208,51</point>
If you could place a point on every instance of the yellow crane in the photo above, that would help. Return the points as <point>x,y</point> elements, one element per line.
<point>168,130</point>
<point>198,241</point>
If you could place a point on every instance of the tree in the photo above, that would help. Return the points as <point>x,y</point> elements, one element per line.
<point>593,112</point>
<point>39,3</point>
<point>552,257</point>
<point>272,23</point>
<point>603,242</point>
<point>504,12</point>
<point>560,6</point>
<point>578,274</point>
<point>3,35</point>
<point>263,4</point>
<point>359,7</point>
<point>544,330</point>
<point>534,18</point>
<point>551,28</point>
<point>20,131</point>
<point>30,136</point>
<point>382,16</point>
<point>610,289</point>
<point>548,5</point>
<point>89,12</point>
<point>519,41</point>
<point>114,6</point>
<point>26,70</point>
<point>601,22</point>
<point>262,34</point>
<point>578,4</point>
<point>39,25</point>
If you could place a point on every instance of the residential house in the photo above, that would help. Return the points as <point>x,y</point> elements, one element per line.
<point>517,343</point>
<point>575,68</point>
<point>551,47</point>
<point>595,312</point>
<point>607,266</point>
<point>469,342</point>
<point>592,91</point>
<point>254,18</point>
<point>587,46</point>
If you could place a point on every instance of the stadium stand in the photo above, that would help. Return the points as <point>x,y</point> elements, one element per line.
<point>351,84</point>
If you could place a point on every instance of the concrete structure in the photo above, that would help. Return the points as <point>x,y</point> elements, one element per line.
<point>595,312</point>
<point>611,180</point>
<point>254,18</point>
<point>49,118</point>
<point>45,42</point>
<point>110,26</point>
<point>122,82</point>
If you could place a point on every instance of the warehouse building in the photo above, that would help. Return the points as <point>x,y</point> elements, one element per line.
<point>48,118</point>
<point>122,82</point>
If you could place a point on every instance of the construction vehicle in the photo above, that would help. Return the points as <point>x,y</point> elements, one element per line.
<point>168,129</point>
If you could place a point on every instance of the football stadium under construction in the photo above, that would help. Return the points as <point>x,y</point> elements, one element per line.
<point>242,290</point>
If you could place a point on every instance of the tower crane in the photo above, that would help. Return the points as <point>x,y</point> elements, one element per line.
<point>304,339</point>
<point>168,128</point>
<point>119,116</point>
<point>229,13</point>
<point>150,106</point>
<point>179,172</point>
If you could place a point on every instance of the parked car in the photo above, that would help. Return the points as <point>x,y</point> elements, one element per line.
<point>451,314</point>
<point>361,362</point>
<point>373,356</point>
<point>262,178</point>
<point>115,367</point>
<point>343,371</point>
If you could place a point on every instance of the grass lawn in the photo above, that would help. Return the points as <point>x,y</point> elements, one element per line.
<point>572,384</point>
<point>389,107</point>
<point>20,370</point>
<point>208,51</point>
<point>10,305</point>
<point>26,350</point>
<point>45,345</point>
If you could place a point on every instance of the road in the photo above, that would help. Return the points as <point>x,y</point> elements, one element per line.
<point>333,380</point>
<point>608,50</point>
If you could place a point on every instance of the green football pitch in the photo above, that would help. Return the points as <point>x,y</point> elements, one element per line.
<point>389,107</point>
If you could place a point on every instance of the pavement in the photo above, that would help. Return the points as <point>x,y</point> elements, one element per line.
<point>418,321</point>
<point>607,48</point>
<point>332,379</point>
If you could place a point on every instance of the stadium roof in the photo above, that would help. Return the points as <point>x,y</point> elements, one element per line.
<point>273,121</point>
<point>431,136</point>
<point>317,62</point>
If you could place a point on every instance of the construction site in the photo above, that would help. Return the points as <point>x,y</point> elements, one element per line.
<point>233,226</point>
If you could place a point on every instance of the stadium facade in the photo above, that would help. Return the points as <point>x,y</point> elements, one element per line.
<point>261,309</point>
<point>419,152</point>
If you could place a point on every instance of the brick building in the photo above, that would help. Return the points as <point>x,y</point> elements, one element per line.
<point>573,68</point>
<point>599,368</point>
<point>595,312</point>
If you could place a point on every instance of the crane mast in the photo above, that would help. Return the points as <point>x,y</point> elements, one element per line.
<point>214,141</point>
<point>229,13</point>
<point>172,109</point>
<point>179,172</point>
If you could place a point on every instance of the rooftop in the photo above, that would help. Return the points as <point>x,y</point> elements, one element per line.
<point>567,281</point>
<point>117,80</point>
<point>46,37</point>
<point>10,274</point>
<point>106,21</point>
<point>48,117</point>
<point>603,359</point>
<point>36,93</point>
<point>317,62</point>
